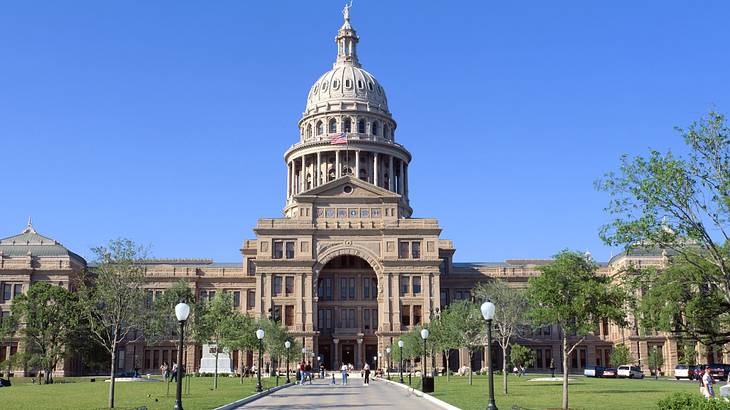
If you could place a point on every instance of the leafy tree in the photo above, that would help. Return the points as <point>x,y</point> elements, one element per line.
<point>240,335</point>
<point>510,314</point>
<point>521,355</point>
<point>656,360</point>
<point>444,335</point>
<point>470,327</point>
<point>51,316</point>
<point>214,325</point>
<point>114,304</point>
<point>681,205</point>
<point>8,328</point>
<point>620,355</point>
<point>689,354</point>
<point>570,293</point>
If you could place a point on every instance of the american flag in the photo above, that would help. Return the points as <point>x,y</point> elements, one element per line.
<point>339,138</point>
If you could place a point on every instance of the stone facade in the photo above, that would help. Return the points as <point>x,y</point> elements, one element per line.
<point>347,268</point>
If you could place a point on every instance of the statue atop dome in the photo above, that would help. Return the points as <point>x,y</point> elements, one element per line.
<point>346,11</point>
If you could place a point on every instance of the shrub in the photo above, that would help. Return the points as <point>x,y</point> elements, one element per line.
<point>689,401</point>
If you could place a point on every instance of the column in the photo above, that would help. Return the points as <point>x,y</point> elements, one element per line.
<point>336,353</point>
<point>319,167</point>
<point>386,302</point>
<point>303,180</point>
<point>391,176</point>
<point>288,180</point>
<point>337,164</point>
<point>405,179</point>
<point>426,291</point>
<point>375,168</point>
<point>357,164</point>
<point>400,179</point>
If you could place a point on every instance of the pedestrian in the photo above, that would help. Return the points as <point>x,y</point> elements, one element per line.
<point>321,371</point>
<point>552,368</point>
<point>308,370</point>
<point>343,369</point>
<point>706,383</point>
<point>302,373</point>
<point>367,374</point>
<point>164,370</point>
<point>174,371</point>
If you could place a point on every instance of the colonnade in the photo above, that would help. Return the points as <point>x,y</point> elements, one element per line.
<point>309,171</point>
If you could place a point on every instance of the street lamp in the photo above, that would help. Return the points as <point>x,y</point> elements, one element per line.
<point>488,309</point>
<point>182,311</point>
<point>387,361</point>
<point>287,344</point>
<point>260,336</point>
<point>375,359</point>
<point>400,346</point>
<point>304,351</point>
<point>424,336</point>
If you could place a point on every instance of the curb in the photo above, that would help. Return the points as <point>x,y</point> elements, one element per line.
<point>419,393</point>
<point>253,397</point>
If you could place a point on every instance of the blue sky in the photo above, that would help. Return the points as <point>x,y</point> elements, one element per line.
<point>166,121</point>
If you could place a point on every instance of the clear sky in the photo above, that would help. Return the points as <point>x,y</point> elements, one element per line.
<point>166,121</point>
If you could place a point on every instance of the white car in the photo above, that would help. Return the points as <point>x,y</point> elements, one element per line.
<point>632,372</point>
<point>682,371</point>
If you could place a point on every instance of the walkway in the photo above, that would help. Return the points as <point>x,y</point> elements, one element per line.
<point>322,395</point>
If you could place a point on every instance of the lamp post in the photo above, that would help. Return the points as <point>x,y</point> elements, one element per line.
<point>260,336</point>
<point>316,369</point>
<point>287,344</point>
<point>375,359</point>
<point>488,309</point>
<point>182,311</point>
<point>387,361</point>
<point>304,351</point>
<point>400,346</point>
<point>424,336</point>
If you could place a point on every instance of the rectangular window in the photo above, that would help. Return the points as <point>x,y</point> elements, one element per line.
<point>403,249</point>
<point>329,212</point>
<point>290,249</point>
<point>251,270</point>
<point>211,295</point>
<point>289,285</point>
<point>366,288</point>
<point>404,285</point>
<point>7,291</point>
<point>375,212</point>
<point>342,212</point>
<point>278,250</point>
<point>236,299</point>
<point>605,327</point>
<point>148,359</point>
<point>343,288</point>
<point>416,285</point>
<point>353,289</point>
<point>251,299</point>
<point>538,362</point>
<point>405,318</point>
<point>289,315</point>
<point>352,319</point>
<point>325,289</point>
<point>277,285</point>
<point>366,319</point>
<point>416,250</point>
<point>150,298</point>
<point>444,294</point>
<point>18,290</point>
<point>365,213</point>
<point>166,357</point>
<point>156,361</point>
<point>416,314</point>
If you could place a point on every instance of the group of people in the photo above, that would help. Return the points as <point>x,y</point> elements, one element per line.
<point>305,372</point>
<point>169,372</point>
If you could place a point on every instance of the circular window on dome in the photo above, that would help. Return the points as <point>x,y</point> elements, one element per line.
<point>347,189</point>
<point>324,86</point>
<point>348,83</point>
<point>335,84</point>
<point>370,86</point>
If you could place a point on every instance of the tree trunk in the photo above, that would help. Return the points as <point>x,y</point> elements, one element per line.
<point>470,369</point>
<point>448,368</point>
<point>215,375</point>
<point>504,369</point>
<point>565,372</point>
<point>241,369</point>
<point>111,378</point>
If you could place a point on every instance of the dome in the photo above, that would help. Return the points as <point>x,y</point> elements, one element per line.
<point>347,83</point>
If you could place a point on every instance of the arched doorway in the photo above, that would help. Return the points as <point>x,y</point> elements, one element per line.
<point>347,311</point>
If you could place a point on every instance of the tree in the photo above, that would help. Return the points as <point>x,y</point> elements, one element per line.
<point>240,335</point>
<point>215,324</point>
<point>620,355</point>
<point>470,327</point>
<point>8,328</point>
<point>571,294</point>
<point>688,354</point>
<point>444,335</point>
<point>521,355</point>
<point>51,316</point>
<point>114,303</point>
<point>682,206</point>
<point>510,314</point>
<point>656,360</point>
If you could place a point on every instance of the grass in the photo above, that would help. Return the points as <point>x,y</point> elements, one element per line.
<point>583,393</point>
<point>80,393</point>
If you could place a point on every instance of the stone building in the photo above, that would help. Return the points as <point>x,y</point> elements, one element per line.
<point>347,268</point>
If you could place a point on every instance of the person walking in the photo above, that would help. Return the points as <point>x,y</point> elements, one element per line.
<point>308,371</point>
<point>552,368</point>
<point>343,369</point>
<point>164,370</point>
<point>706,384</point>
<point>367,374</point>
<point>174,371</point>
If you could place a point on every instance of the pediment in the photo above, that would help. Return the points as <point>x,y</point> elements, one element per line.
<point>348,187</point>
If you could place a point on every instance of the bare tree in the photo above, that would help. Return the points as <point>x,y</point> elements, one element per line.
<point>114,302</point>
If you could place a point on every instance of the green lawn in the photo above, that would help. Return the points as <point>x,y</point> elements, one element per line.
<point>81,393</point>
<point>584,393</point>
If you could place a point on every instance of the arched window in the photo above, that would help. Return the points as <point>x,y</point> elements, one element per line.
<point>348,84</point>
<point>376,131</point>
<point>333,125</point>
<point>320,128</point>
<point>364,174</point>
<point>361,126</point>
<point>386,131</point>
<point>309,130</point>
<point>347,125</point>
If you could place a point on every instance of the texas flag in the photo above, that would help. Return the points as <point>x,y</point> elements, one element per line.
<point>338,138</point>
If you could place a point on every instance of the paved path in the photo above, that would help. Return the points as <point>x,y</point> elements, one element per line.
<point>321,395</point>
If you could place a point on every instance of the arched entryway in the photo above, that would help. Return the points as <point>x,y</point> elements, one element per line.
<point>347,312</point>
